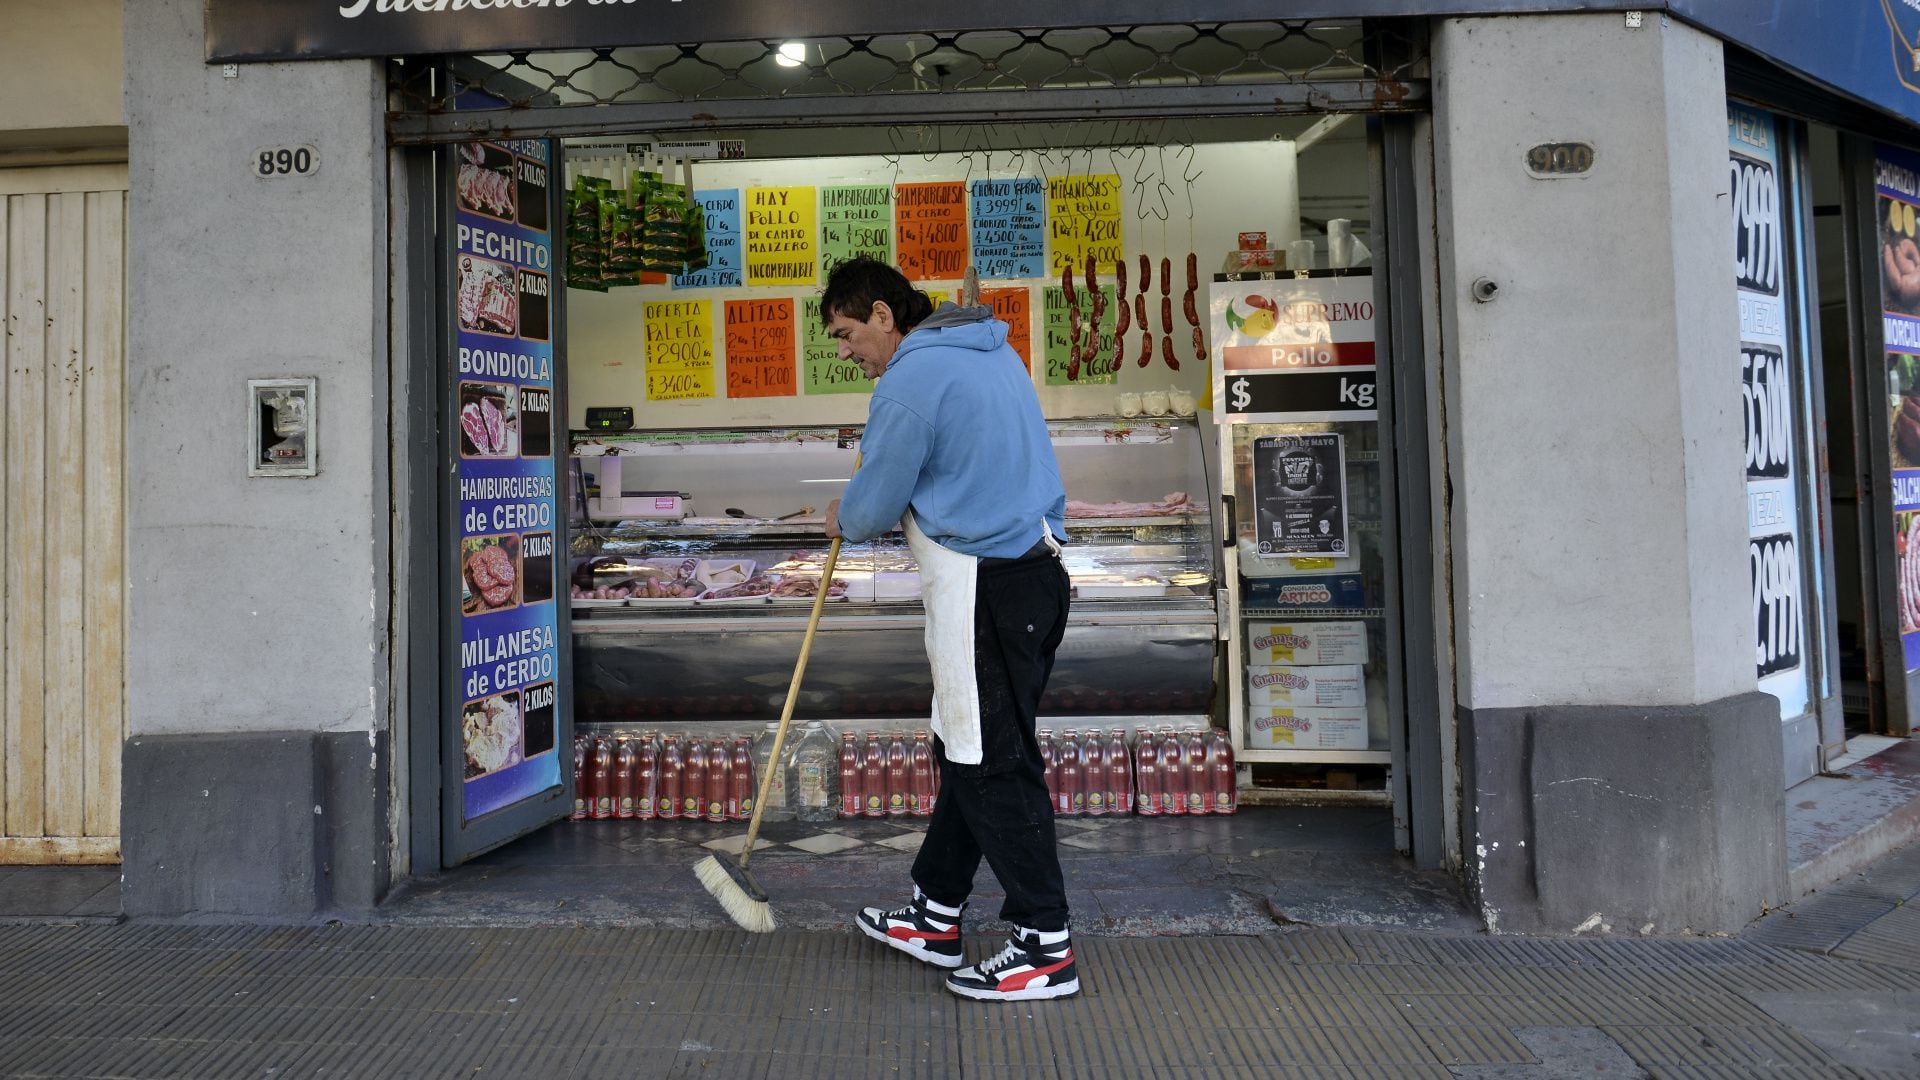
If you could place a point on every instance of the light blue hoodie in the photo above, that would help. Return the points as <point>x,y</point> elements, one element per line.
<point>955,433</point>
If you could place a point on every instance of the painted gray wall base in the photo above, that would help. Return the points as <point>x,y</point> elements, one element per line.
<point>1614,819</point>
<point>260,824</point>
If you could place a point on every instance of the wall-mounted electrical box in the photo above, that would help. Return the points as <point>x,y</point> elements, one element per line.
<point>281,427</point>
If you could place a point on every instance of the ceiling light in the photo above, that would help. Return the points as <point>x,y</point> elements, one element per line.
<point>792,54</point>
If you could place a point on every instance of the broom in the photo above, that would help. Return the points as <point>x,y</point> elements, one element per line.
<point>725,876</point>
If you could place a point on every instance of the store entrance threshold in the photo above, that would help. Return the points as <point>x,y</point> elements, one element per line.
<point>1254,872</point>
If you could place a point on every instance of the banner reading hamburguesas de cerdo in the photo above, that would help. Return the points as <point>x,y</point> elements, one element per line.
<point>507,500</point>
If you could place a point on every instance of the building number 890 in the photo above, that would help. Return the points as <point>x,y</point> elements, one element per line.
<point>284,161</point>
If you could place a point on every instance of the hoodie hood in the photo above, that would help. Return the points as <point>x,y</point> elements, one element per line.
<point>955,327</point>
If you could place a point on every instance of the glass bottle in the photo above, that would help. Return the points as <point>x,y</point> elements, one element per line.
<point>899,776</point>
<point>1049,761</point>
<point>1196,755</point>
<point>601,765</point>
<point>850,770</point>
<point>873,777</point>
<point>673,775</point>
<point>625,769</point>
<point>1173,775</point>
<point>1146,774</point>
<point>582,795</point>
<point>1119,774</point>
<point>1093,771</point>
<point>1225,786</point>
<point>647,782</point>
<point>1071,798</point>
<point>693,789</point>
<point>922,769</point>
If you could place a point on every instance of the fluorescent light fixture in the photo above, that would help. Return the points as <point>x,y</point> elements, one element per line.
<point>829,480</point>
<point>792,54</point>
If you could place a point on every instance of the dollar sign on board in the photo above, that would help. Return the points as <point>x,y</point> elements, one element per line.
<point>1240,397</point>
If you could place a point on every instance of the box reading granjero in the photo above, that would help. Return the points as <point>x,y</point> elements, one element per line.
<point>1306,643</point>
<point>1306,729</point>
<point>1336,686</point>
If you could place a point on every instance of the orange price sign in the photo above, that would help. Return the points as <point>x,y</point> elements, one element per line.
<point>1012,306</point>
<point>760,348</point>
<point>930,230</point>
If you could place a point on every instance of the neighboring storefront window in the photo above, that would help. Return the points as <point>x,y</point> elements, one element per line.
<point>1896,204</point>
<point>1770,379</point>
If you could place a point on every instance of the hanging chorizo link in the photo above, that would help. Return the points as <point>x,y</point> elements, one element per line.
<point>1193,272</point>
<point>1166,276</point>
<point>1166,353</point>
<point>1120,280</point>
<point>1146,345</point>
<point>1146,273</point>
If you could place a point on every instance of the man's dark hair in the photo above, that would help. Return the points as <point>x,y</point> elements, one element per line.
<point>854,285</point>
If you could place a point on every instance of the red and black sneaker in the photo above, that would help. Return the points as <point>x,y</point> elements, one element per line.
<point>923,930</point>
<point>1030,968</point>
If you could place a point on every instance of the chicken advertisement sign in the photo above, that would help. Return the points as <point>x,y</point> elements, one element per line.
<point>1294,348</point>
<point>507,501</point>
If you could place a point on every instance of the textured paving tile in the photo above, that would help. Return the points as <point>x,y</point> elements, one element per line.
<point>1820,923</point>
<point>1892,939</point>
<point>1563,1053</point>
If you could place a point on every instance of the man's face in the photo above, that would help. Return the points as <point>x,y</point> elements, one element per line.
<point>871,343</point>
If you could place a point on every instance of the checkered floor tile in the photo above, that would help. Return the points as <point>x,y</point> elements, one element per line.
<point>826,843</point>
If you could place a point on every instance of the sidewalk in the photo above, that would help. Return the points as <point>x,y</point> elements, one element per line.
<point>398,1000</point>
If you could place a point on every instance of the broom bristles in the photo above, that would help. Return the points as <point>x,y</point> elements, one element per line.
<point>737,893</point>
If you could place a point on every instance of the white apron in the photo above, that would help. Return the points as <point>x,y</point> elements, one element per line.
<point>947,583</point>
<point>947,580</point>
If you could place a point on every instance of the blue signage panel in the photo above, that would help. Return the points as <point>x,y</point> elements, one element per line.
<point>508,528</point>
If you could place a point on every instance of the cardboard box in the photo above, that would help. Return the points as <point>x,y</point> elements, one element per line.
<point>1306,642</point>
<point>1337,686</point>
<point>1307,729</point>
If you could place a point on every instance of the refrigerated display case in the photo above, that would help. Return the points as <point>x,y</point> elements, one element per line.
<point>700,616</point>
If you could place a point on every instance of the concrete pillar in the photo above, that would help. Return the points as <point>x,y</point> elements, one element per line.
<point>256,773</point>
<point>1619,771</point>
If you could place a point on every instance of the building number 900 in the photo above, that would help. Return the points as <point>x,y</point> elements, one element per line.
<point>272,161</point>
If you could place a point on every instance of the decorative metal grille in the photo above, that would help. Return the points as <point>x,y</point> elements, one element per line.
<point>1386,59</point>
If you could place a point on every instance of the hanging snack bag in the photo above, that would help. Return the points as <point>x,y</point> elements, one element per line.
<point>585,252</point>
<point>696,236</point>
<point>621,226</point>
<point>663,243</point>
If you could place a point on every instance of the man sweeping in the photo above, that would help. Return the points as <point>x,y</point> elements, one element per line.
<point>957,451</point>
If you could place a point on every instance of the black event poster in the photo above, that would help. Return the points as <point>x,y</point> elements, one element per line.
<point>1300,494</point>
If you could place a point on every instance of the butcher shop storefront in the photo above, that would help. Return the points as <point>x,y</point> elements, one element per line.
<point>651,419</point>
<point>1382,437</point>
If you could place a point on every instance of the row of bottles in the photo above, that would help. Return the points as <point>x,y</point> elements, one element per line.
<point>692,777</point>
<point>1163,772</point>
<point>887,776</point>
<point>627,776</point>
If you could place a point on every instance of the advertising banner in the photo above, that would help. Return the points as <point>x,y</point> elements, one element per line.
<point>1896,204</point>
<point>1769,396</point>
<point>1300,495</point>
<point>508,501</point>
<point>1294,348</point>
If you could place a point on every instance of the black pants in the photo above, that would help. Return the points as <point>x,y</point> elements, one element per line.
<point>999,809</point>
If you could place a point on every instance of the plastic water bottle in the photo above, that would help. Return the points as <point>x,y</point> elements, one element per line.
<point>778,806</point>
<point>811,778</point>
